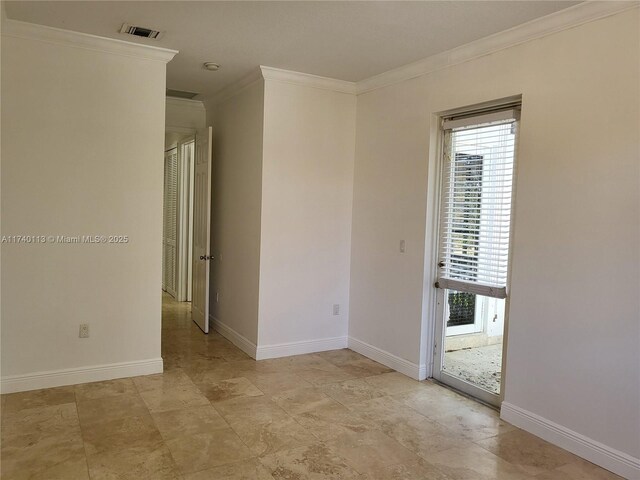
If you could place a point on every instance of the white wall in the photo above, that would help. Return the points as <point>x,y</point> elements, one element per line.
<point>236,201</point>
<point>184,113</point>
<point>309,136</point>
<point>573,355</point>
<point>78,160</point>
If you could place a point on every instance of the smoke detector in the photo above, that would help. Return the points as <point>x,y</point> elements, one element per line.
<point>211,66</point>
<point>140,31</point>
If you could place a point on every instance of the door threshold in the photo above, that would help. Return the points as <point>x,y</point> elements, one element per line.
<point>464,394</point>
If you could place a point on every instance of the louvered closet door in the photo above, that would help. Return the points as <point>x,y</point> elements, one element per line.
<point>170,221</point>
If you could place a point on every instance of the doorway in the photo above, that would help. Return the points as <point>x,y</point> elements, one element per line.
<point>474,233</point>
<point>177,236</point>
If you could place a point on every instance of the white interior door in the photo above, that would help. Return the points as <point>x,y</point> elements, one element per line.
<point>169,238</point>
<point>201,229</point>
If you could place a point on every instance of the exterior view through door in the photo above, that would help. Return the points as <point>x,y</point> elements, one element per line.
<point>478,157</point>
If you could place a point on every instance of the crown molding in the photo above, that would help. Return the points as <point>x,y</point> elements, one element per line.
<point>185,103</point>
<point>540,27</point>
<point>233,89</point>
<point>307,80</point>
<point>59,36</point>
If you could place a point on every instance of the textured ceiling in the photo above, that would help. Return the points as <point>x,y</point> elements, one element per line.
<point>344,40</point>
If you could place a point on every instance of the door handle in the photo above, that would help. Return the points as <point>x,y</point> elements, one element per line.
<point>206,257</point>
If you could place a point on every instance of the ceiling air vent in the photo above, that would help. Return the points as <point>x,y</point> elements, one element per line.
<point>180,94</point>
<point>140,31</point>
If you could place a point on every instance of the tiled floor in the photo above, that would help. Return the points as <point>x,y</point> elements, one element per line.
<point>216,414</point>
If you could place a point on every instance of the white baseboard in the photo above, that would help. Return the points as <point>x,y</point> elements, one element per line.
<point>73,376</point>
<point>300,348</point>
<point>614,460</point>
<point>264,352</point>
<point>410,369</point>
<point>240,341</point>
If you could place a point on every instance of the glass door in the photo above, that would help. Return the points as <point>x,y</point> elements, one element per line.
<point>473,253</point>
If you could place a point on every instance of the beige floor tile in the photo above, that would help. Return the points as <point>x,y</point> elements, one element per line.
<point>46,420</point>
<point>89,391</point>
<point>208,373</point>
<point>474,422</point>
<point>228,389</point>
<point>166,380</point>
<point>364,368</point>
<point>299,362</point>
<point>394,382</point>
<point>272,383</point>
<point>424,437</point>
<point>302,400</point>
<point>147,462</point>
<point>335,423</point>
<point>250,410</point>
<point>314,462</point>
<point>243,367</point>
<point>43,455</point>
<point>530,453</point>
<point>110,408</point>
<point>473,463</point>
<point>246,470</point>
<point>351,391</point>
<point>38,398</point>
<point>386,410</point>
<point>200,451</point>
<point>340,357</point>
<point>581,470</point>
<point>324,374</point>
<point>174,398</point>
<point>433,401</point>
<point>372,451</point>
<point>71,468</point>
<point>120,433</point>
<point>233,354</point>
<point>414,471</point>
<point>268,438</point>
<point>411,429</point>
<point>188,421</point>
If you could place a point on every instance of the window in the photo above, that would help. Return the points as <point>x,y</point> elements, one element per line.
<point>476,205</point>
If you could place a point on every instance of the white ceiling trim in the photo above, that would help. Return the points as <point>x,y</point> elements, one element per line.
<point>540,27</point>
<point>233,89</point>
<point>285,76</point>
<point>58,36</point>
<point>308,80</point>
<point>185,103</point>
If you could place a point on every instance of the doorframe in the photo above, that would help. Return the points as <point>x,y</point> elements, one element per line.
<point>182,268</point>
<point>432,326</point>
<point>185,236</point>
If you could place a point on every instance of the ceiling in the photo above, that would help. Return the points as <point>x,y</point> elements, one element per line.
<point>350,40</point>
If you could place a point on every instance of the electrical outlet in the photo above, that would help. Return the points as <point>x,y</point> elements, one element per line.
<point>84,330</point>
<point>402,246</point>
<point>336,309</point>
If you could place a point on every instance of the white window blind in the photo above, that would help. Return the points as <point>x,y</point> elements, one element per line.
<point>476,203</point>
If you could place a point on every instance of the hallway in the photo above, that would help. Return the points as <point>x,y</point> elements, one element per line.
<point>217,414</point>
